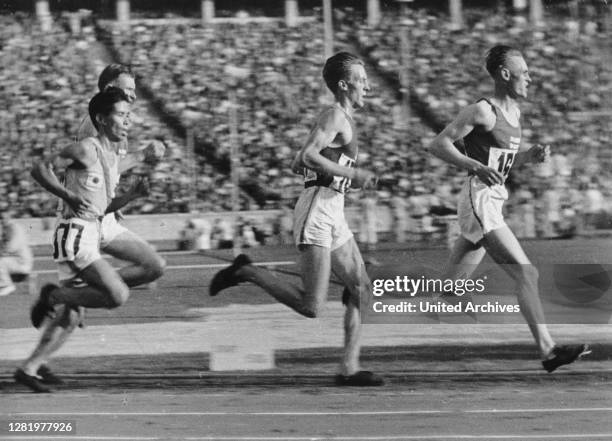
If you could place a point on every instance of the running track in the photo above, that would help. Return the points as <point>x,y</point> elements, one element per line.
<point>470,396</point>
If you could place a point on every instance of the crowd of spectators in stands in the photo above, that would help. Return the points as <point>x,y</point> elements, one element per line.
<point>255,88</point>
<point>46,82</point>
<point>569,105</point>
<point>272,75</point>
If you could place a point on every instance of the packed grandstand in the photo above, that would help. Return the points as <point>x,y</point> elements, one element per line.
<point>185,69</point>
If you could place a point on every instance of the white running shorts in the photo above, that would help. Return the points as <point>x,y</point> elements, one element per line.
<point>77,242</point>
<point>479,209</point>
<point>318,219</point>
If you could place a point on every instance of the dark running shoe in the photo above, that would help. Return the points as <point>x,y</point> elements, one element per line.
<point>42,308</point>
<point>361,378</point>
<point>48,377</point>
<point>565,355</point>
<point>30,381</point>
<point>227,277</point>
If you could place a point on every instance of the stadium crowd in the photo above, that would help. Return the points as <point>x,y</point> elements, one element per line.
<point>570,93</point>
<point>264,80</point>
<point>47,81</point>
<point>276,95</point>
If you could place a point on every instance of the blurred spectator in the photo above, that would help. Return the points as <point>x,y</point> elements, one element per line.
<point>222,234</point>
<point>367,221</point>
<point>551,207</point>
<point>196,235</point>
<point>285,223</point>
<point>16,258</point>
<point>593,205</point>
<point>399,212</point>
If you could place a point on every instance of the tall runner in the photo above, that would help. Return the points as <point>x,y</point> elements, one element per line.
<point>491,131</point>
<point>320,229</point>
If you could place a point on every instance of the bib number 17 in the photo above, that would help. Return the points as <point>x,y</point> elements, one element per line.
<point>66,241</point>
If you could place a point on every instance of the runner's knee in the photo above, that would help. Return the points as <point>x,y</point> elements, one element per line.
<point>312,309</point>
<point>117,295</point>
<point>69,319</point>
<point>155,267</point>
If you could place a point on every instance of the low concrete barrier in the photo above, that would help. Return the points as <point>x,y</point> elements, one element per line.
<point>164,227</point>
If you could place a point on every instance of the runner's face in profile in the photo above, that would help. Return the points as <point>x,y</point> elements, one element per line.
<point>117,123</point>
<point>358,85</point>
<point>519,76</point>
<point>126,83</point>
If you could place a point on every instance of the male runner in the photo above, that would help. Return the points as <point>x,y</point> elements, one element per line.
<point>122,77</point>
<point>126,246</point>
<point>113,75</point>
<point>492,134</point>
<point>85,226</point>
<point>320,230</point>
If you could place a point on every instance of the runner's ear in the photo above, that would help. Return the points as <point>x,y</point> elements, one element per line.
<point>99,120</point>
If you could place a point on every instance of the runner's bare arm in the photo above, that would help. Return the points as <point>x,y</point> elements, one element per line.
<point>43,172</point>
<point>442,146</point>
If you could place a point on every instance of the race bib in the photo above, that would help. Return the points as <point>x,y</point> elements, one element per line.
<point>501,159</point>
<point>342,183</point>
<point>67,241</point>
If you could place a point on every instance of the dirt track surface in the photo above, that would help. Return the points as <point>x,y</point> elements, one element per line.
<point>443,383</point>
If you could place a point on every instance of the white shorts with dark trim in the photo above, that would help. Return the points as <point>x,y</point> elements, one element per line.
<point>77,242</point>
<point>480,209</point>
<point>318,219</point>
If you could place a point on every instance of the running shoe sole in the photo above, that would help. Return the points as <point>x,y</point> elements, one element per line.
<point>565,355</point>
<point>30,381</point>
<point>359,379</point>
<point>48,377</point>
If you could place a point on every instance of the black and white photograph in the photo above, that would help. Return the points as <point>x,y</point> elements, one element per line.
<point>306,220</point>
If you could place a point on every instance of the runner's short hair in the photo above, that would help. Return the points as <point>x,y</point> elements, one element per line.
<point>103,103</point>
<point>337,67</point>
<point>497,56</point>
<point>111,73</point>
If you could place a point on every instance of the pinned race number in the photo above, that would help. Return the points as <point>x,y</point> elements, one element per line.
<point>501,159</point>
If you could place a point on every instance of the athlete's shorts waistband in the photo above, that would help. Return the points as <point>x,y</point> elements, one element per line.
<point>84,219</point>
<point>313,183</point>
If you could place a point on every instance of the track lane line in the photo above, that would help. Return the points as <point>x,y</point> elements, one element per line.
<point>198,266</point>
<point>554,436</point>
<point>320,413</point>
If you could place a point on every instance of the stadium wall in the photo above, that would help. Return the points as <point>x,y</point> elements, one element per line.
<point>167,227</point>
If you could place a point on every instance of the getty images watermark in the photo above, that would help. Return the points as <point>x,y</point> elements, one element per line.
<point>425,288</point>
<point>570,293</point>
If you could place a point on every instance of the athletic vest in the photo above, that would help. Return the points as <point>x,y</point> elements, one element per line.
<point>96,182</point>
<point>345,155</point>
<point>496,148</point>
